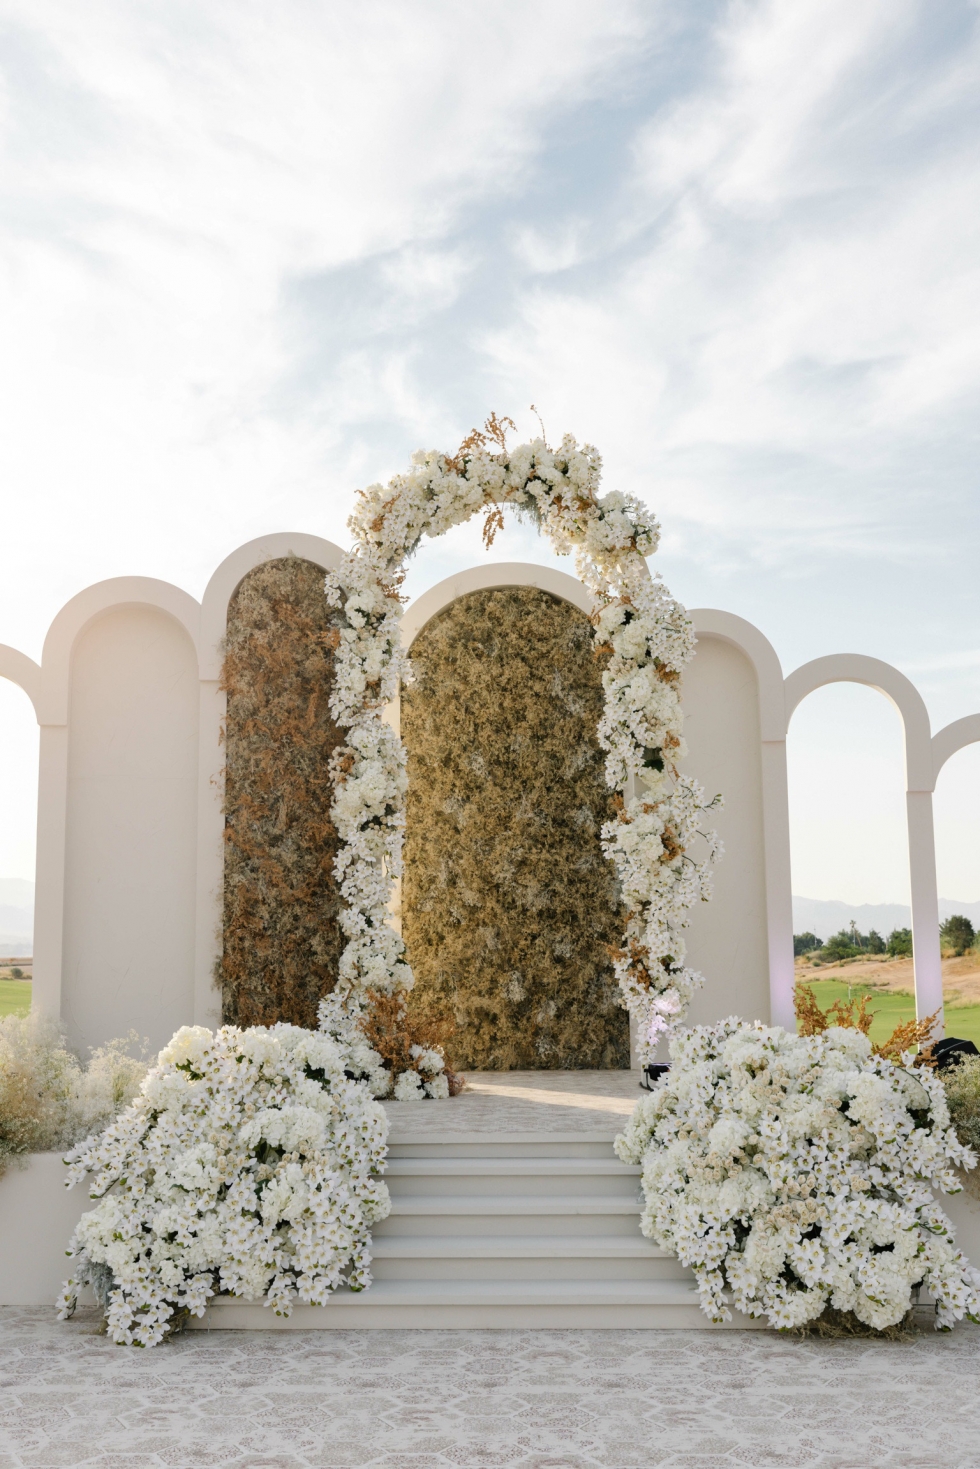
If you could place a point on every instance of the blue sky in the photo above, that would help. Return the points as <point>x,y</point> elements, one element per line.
<point>251,256</point>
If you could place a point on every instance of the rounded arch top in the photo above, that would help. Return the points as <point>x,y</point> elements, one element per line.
<point>22,671</point>
<point>954,737</point>
<point>726,627</point>
<point>104,596</point>
<point>485,579</point>
<point>234,568</point>
<point>874,674</point>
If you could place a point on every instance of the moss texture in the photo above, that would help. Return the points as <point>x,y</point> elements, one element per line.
<point>281,942</point>
<point>508,903</point>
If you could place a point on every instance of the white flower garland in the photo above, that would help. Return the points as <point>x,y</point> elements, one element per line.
<point>797,1172</point>
<point>649,638</point>
<point>249,1163</point>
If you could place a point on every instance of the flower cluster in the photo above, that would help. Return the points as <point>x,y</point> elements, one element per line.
<point>408,1072</point>
<point>647,637</point>
<point>249,1163</point>
<point>797,1171</point>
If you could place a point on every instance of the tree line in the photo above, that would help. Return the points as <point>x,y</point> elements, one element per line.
<point>956,935</point>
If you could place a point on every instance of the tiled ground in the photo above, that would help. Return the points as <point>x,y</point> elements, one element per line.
<point>510,1102</point>
<point>477,1400</point>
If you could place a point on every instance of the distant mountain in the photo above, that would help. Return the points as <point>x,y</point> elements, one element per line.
<point>16,917</point>
<point>826,916</point>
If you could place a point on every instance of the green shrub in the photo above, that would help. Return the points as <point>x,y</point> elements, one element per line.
<point>805,943</point>
<point>841,946</point>
<point>957,933</point>
<point>900,943</point>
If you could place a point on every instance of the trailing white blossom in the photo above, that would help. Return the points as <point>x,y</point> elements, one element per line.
<point>249,1163</point>
<point>799,1171</point>
<point>648,637</point>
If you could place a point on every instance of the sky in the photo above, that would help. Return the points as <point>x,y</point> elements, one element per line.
<point>253,255</point>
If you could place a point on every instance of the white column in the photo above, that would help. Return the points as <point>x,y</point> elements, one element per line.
<point>925,907</point>
<point>779,884</point>
<point>49,898</point>
<point>210,854</point>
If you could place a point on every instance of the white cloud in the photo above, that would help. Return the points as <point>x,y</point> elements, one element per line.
<point>250,256</point>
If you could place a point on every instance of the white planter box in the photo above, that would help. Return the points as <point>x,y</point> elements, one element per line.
<point>37,1218</point>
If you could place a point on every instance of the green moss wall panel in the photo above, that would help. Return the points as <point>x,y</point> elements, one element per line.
<point>508,904</point>
<point>281,941</point>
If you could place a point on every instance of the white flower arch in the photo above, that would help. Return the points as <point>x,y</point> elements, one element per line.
<point>649,638</point>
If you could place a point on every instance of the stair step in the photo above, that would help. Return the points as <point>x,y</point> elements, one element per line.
<point>402,1144</point>
<point>541,1257</point>
<point>509,1167</point>
<point>522,1293</point>
<point>486,1305</point>
<point>493,1204</point>
<point>517,1247</point>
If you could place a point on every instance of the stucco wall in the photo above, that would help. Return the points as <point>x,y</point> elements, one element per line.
<point>728,939</point>
<point>131,829</point>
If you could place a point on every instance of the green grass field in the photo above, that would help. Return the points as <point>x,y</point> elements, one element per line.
<point>890,1009</point>
<point>15,996</point>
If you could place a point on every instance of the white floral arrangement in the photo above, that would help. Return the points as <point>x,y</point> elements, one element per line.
<point>649,638</point>
<point>249,1163</point>
<point>797,1172</point>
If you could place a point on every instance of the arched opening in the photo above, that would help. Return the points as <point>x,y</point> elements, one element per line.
<point>957,820</point>
<point>281,942</point>
<point>509,906</point>
<point>849,848</point>
<point>18,827</point>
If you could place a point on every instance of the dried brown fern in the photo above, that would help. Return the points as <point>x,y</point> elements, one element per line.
<point>906,1036</point>
<point>810,1019</point>
<point>853,1014</point>
<point>494,431</point>
<point>392,1029</point>
<point>281,940</point>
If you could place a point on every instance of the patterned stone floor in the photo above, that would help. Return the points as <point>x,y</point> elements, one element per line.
<point>510,1102</point>
<point>478,1400</point>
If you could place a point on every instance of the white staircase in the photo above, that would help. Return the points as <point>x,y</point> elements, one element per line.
<point>487,1230</point>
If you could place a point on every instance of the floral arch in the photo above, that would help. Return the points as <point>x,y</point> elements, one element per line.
<point>648,638</point>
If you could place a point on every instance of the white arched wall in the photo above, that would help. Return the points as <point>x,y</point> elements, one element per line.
<point>130,828</point>
<point>129,855</point>
<point>920,780</point>
<point>737,704</point>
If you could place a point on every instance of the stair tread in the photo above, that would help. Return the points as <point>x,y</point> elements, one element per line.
<point>516,1246</point>
<point>511,1293</point>
<point>504,1167</point>
<point>514,1204</point>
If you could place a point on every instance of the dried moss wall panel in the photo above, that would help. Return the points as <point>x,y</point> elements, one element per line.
<point>508,903</point>
<point>281,940</point>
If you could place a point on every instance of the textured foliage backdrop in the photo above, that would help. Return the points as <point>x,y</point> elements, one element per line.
<point>508,903</point>
<point>281,939</point>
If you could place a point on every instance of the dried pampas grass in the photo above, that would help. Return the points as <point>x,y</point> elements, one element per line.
<point>509,907</point>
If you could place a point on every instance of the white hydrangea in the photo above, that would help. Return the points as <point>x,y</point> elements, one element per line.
<point>249,1163</point>
<point>409,1087</point>
<point>795,1172</point>
<point>649,638</point>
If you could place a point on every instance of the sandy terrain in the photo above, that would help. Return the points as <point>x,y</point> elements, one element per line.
<point>961,977</point>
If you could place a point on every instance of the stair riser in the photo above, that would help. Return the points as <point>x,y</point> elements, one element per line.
<point>548,1185</point>
<point>529,1269</point>
<point>346,1316</point>
<point>501,1225</point>
<point>512,1149</point>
